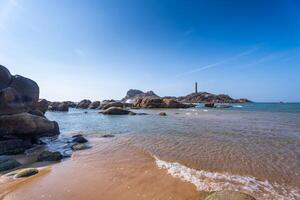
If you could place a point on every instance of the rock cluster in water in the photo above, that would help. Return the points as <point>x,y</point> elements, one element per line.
<point>201,97</point>
<point>22,120</point>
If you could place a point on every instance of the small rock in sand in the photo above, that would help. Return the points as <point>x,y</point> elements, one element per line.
<point>232,195</point>
<point>108,136</point>
<point>77,147</point>
<point>26,172</point>
<point>79,139</point>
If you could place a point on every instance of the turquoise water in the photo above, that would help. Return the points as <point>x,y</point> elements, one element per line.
<point>257,142</point>
<point>266,107</point>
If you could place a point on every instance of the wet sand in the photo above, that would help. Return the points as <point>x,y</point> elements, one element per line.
<point>107,171</point>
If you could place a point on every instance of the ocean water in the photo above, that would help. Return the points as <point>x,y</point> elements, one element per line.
<point>253,148</point>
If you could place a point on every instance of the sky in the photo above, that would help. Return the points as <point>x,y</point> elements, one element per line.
<point>98,49</point>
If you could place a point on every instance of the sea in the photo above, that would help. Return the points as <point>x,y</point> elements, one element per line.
<point>250,147</point>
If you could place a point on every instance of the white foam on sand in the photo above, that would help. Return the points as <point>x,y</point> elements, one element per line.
<point>214,181</point>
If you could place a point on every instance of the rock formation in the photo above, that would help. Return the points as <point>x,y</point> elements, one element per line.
<point>208,97</point>
<point>94,105</point>
<point>21,114</point>
<point>133,94</point>
<point>84,104</point>
<point>157,102</point>
<point>59,106</point>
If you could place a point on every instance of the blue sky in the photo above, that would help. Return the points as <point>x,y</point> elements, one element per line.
<point>98,49</point>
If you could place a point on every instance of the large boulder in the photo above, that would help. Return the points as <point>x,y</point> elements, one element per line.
<point>94,105</point>
<point>115,111</point>
<point>11,102</point>
<point>25,124</point>
<point>12,146</point>
<point>5,77</point>
<point>58,106</point>
<point>228,195</point>
<point>42,105</point>
<point>27,88</point>
<point>71,104</point>
<point>112,104</point>
<point>84,104</point>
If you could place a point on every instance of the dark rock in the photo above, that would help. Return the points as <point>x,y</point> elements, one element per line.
<point>49,156</point>
<point>209,105</point>
<point>84,104</point>
<point>42,105</point>
<point>5,77</point>
<point>112,104</point>
<point>94,105</point>
<point>108,136</point>
<point>115,111</point>
<point>25,124</point>
<point>8,163</point>
<point>70,104</point>
<point>79,139</point>
<point>163,114</point>
<point>58,106</point>
<point>11,102</point>
<point>37,113</point>
<point>12,146</point>
<point>27,88</point>
<point>26,172</point>
<point>230,195</point>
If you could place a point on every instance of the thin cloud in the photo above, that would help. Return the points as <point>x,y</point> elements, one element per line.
<point>205,67</point>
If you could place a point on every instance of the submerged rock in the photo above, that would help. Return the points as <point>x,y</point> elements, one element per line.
<point>115,111</point>
<point>13,146</point>
<point>8,163</point>
<point>50,156</point>
<point>108,136</point>
<point>228,195</point>
<point>79,139</point>
<point>163,114</point>
<point>209,105</point>
<point>26,172</point>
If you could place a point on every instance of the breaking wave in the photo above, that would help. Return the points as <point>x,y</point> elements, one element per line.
<point>214,181</point>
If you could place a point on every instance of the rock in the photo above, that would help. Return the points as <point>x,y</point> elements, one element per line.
<point>112,104</point>
<point>12,146</point>
<point>115,111</point>
<point>42,105</point>
<point>11,102</point>
<point>79,139</point>
<point>27,88</point>
<point>70,104</point>
<point>131,113</point>
<point>94,105</point>
<point>201,97</point>
<point>37,113</point>
<point>156,102</point>
<point>84,104</point>
<point>77,147</point>
<point>133,94</point>
<point>25,124</point>
<point>26,172</point>
<point>108,136</point>
<point>5,77</point>
<point>8,163</point>
<point>50,156</point>
<point>163,114</point>
<point>58,106</point>
<point>228,195</point>
<point>209,105</point>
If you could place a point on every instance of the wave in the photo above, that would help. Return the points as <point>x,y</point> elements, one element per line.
<point>214,181</point>
<point>238,106</point>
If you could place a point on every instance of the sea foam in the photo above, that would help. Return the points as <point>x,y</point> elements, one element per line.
<point>214,181</point>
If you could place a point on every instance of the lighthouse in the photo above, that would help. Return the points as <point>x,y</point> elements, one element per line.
<point>196,87</point>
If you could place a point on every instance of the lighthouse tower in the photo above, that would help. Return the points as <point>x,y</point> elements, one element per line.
<point>196,87</point>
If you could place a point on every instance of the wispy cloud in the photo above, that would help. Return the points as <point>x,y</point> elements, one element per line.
<point>205,67</point>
